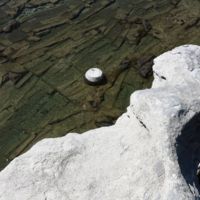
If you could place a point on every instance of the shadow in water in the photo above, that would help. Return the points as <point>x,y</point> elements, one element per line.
<point>188,152</point>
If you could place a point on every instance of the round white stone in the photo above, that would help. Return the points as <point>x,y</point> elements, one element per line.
<point>94,75</point>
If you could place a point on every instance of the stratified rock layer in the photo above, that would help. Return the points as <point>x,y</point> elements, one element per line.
<point>151,153</point>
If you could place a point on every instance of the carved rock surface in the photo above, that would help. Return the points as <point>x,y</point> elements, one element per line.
<point>151,153</point>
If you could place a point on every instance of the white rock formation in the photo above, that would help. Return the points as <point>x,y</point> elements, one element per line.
<point>94,75</point>
<point>151,153</point>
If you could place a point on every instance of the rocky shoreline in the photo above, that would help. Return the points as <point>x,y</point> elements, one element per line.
<point>47,45</point>
<point>151,153</point>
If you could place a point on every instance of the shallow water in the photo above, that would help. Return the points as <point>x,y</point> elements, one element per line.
<point>46,46</point>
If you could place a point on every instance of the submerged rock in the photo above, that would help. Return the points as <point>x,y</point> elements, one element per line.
<point>151,153</point>
<point>13,24</point>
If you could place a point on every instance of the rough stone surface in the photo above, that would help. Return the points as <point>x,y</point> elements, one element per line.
<point>151,153</point>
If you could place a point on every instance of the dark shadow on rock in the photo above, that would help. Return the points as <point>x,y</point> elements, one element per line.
<point>103,81</point>
<point>188,152</point>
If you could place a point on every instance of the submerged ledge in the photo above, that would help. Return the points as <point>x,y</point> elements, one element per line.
<point>152,152</point>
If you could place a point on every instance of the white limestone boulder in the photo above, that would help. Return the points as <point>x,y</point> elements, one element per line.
<point>151,153</point>
<point>94,75</point>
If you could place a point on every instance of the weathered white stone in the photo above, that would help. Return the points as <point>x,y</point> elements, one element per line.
<point>94,75</point>
<point>151,153</point>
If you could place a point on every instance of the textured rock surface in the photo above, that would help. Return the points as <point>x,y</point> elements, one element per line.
<point>47,45</point>
<point>151,153</point>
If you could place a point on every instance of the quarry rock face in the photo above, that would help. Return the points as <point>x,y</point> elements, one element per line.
<point>151,153</point>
